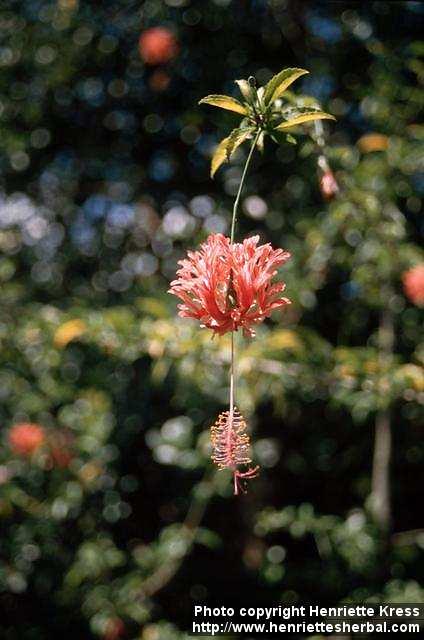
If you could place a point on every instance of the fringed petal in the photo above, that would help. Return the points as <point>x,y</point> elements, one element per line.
<point>228,286</point>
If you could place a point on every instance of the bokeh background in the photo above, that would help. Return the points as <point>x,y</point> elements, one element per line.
<point>113,523</point>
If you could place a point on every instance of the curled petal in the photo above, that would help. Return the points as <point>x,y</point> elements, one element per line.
<point>228,286</point>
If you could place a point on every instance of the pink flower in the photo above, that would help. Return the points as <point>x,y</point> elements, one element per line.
<point>413,284</point>
<point>157,45</point>
<point>25,438</point>
<point>228,286</point>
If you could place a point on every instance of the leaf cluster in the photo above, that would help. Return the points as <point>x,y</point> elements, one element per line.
<point>266,110</point>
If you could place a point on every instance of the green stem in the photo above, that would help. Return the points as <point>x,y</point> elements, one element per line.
<point>241,185</point>
<point>232,375</point>
<point>233,227</point>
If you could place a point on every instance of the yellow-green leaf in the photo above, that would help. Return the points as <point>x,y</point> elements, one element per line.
<point>224,102</point>
<point>305,117</point>
<point>227,146</point>
<point>279,83</point>
<point>236,138</point>
<point>219,156</point>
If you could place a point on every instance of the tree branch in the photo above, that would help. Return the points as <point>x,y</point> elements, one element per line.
<point>380,483</point>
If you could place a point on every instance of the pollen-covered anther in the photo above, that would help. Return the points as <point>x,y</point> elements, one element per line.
<point>231,446</point>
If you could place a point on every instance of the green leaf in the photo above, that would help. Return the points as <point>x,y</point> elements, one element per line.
<point>305,117</point>
<point>236,138</point>
<point>219,156</point>
<point>279,83</point>
<point>290,139</point>
<point>227,146</point>
<point>224,102</point>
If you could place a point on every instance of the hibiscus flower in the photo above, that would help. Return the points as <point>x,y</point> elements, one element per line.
<point>228,286</point>
<point>25,438</point>
<point>413,284</point>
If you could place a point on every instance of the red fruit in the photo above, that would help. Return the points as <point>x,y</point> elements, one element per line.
<point>413,284</point>
<point>328,185</point>
<point>157,45</point>
<point>25,438</point>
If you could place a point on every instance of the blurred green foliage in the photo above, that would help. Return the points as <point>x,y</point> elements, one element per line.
<point>116,524</point>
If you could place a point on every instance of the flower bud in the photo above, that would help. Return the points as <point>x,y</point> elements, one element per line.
<point>328,185</point>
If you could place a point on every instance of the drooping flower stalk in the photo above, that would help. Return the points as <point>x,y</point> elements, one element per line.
<point>232,376</point>
<point>231,418</point>
<point>228,285</point>
<point>241,185</point>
